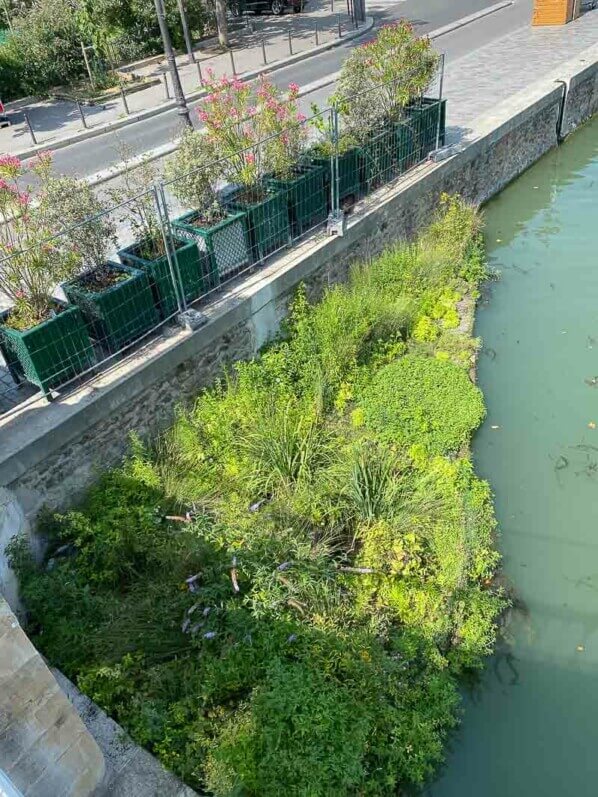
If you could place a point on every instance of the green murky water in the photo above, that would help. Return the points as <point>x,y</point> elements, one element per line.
<point>531,729</point>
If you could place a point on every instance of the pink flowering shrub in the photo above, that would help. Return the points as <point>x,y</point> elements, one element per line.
<point>249,131</point>
<point>38,247</point>
<point>382,76</point>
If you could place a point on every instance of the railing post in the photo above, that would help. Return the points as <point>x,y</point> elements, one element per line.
<point>440,101</point>
<point>30,127</point>
<point>171,255</point>
<point>81,114</point>
<point>336,220</point>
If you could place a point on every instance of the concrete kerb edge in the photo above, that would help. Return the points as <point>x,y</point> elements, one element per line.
<point>61,422</point>
<point>83,135</point>
<point>461,23</point>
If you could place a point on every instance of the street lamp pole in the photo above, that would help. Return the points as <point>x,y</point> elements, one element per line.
<point>186,33</point>
<point>179,97</point>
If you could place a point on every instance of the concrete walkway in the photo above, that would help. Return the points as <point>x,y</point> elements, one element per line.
<point>281,39</point>
<point>486,77</point>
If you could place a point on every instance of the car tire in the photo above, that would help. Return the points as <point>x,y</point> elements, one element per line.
<point>298,8</point>
<point>277,7</point>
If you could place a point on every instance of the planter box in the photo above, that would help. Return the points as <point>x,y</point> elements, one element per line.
<point>423,118</point>
<point>50,353</point>
<point>405,146</point>
<point>267,221</point>
<point>119,314</point>
<point>191,270</point>
<point>348,172</point>
<point>223,248</point>
<point>306,198</point>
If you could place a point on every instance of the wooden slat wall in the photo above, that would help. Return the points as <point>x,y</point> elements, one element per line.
<point>553,12</point>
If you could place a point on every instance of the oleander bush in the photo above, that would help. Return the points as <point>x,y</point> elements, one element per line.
<point>284,591</point>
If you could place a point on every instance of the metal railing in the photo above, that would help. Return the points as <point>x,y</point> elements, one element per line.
<point>168,256</point>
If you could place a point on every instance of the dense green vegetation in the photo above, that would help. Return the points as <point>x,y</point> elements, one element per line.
<point>44,49</point>
<point>305,629</point>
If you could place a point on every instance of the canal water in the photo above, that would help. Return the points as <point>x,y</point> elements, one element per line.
<point>531,727</point>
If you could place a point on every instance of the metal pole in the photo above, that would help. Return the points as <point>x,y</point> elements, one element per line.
<point>31,133</point>
<point>290,43</point>
<point>440,100</point>
<point>232,62</point>
<point>186,34</point>
<point>200,76</point>
<point>87,65</point>
<point>338,17</point>
<point>332,6</point>
<point>317,39</point>
<point>124,99</point>
<point>166,89</point>
<point>179,96</point>
<point>264,51</point>
<point>171,256</point>
<point>335,176</point>
<point>81,114</point>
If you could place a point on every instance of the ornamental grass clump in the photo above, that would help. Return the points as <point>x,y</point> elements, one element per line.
<point>43,241</point>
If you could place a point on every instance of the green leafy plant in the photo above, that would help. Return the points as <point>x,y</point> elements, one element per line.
<point>423,400</point>
<point>382,76</point>
<point>40,245</point>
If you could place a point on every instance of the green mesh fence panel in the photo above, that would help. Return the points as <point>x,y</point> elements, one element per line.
<point>224,246</point>
<point>267,219</point>
<point>50,353</point>
<point>348,173</point>
<point>193,265</point>
<point>423,118</point>
<point>119,314</point>
<point>306,198</point>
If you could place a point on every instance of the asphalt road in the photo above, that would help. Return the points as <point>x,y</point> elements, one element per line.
<point>96,154</point>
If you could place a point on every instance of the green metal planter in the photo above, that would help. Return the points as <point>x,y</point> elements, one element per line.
<point>189,273</point>
<point>49,354</point>
<point>306,197</point>
<point>267,220</point>
<point>349,183</point>
<point>223,247</point>
<point>423,115</point>
<point>119,314</point>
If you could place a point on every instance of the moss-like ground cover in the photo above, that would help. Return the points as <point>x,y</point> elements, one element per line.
<point>305,629</point>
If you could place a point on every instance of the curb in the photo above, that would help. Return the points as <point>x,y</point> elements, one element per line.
<point>83,135</point>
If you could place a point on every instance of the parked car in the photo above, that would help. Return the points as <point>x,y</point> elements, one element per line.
<point>277,7</point>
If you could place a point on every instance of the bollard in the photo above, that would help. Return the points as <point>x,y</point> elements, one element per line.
<point>124,99</point>
<point>232,62</point>
<point>31,133</point>
<point>264,51</point>
<point>290,43</point>
<point>338,17</point>
<point>166,89</point>
<point>317,39</point>
<point>199,74</point>
<point>81,114</point>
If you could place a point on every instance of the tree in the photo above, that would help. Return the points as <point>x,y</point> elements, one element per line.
<point>222,22</point>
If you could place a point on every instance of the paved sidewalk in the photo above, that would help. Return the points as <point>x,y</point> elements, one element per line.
<point>53,120</point>
<point>486,77</point>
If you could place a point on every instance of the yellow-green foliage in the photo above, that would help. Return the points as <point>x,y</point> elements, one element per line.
<point>340,549</point>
